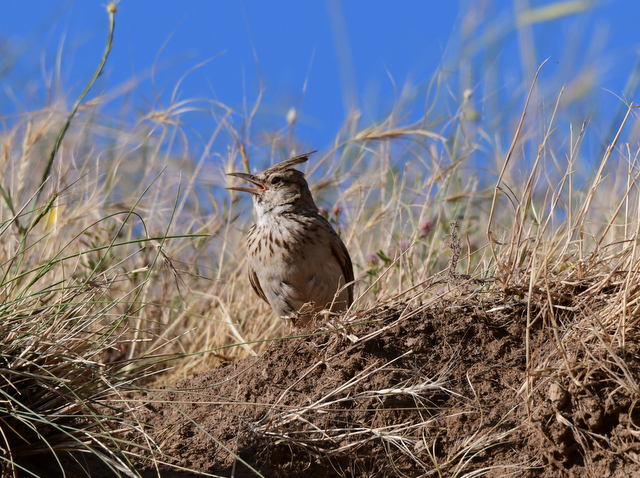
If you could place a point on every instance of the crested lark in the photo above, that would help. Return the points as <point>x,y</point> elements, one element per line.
<point>295,256</point>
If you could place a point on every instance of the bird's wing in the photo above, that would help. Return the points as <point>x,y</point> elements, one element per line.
<point>255,284</point>
<point>342,254</point>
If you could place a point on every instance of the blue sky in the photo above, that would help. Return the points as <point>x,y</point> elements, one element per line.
<point>386,45</point>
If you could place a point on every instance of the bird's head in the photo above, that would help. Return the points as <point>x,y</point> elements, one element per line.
<point>279,187</point>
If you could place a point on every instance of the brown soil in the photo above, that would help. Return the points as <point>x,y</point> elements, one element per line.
<point>433,391</point>
<point>439,392</point>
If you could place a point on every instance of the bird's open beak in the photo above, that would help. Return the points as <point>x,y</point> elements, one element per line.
<point>248,177</point>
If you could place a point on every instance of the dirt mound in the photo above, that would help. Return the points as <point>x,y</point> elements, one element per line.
<point>433,390</point>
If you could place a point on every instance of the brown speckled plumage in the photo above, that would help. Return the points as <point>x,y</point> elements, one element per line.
<point>294,255</point>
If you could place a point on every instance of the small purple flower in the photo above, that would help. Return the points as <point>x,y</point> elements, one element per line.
<point>337,210</point>
<point>373,258</point>
<point>323,212</point>
<point>424,228</point>
<point>404,244</point>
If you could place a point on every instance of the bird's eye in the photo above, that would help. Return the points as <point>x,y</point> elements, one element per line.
<point>276,180</point>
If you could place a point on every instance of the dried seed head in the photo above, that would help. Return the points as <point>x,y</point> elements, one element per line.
<point>424,228</point>
<point>404,245</point>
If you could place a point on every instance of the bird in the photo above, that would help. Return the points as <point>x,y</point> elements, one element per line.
<point>297,263</point>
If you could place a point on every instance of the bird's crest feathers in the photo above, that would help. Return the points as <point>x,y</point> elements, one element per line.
<point>288,163</point>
